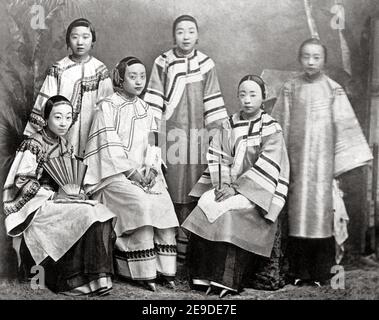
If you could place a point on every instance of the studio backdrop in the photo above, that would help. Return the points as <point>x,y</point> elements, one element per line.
<point>241,36</point>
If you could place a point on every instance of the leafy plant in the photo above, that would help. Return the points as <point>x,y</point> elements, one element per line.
<point>22,68</point>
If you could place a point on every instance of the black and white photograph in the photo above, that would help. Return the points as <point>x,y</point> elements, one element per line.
<point>211,151</point>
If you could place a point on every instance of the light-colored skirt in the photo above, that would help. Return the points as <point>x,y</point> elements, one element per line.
<point>246,229</point>
<point>134,207</point>
<point>56,227</point>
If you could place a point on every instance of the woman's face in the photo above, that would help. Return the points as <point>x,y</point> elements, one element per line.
<point>60,119</point>
<point>81,41</point>
<point>186,36</point>
<point>134,79</point>
<point>312,58</point>
<point>250,97</point>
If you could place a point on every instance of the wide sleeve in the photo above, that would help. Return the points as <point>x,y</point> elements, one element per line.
<point>49,88</point>
<point>214,106</point>
<point>105,154</point>
<point>351,147</point>
<point>281,109</point>
<point>266,182</point>
<point>105,86</point>
<point>219,156</point>
<point>155,93</point>
<point>22,193</point>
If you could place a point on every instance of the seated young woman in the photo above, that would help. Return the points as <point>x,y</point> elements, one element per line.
<point>70,237</point>
<point>242,192</point>
<point>124,173</point>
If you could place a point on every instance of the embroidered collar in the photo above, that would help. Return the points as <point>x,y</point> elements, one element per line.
<point>49,140</point>
<point>179,55</point>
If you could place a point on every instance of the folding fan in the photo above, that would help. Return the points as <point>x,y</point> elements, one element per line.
<point>67,172</point>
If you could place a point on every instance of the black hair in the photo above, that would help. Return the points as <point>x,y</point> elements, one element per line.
<point>184,17</point>
<point>81,22</point>
<point>312,41</point>
<point>51,102</point>
<point>119,72</point>
<point>256,79</point>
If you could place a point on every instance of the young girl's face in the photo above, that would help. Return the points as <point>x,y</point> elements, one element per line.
<point>134,79</point>
<point>81,41</point>
<point>60,119</point>
<point>250,97</point>
<point>186,36</point>
<point>312,58</point>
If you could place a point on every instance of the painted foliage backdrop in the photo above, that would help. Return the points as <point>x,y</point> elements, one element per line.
<point>242,36</point>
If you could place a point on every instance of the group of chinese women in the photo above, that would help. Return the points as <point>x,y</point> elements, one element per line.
<point>134,203</point>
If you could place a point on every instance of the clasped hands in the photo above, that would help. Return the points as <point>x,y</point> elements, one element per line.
<point>62,195</point>
<point>226,191</point>
<point>146,177</point>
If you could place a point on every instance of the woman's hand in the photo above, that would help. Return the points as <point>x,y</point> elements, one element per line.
<point>80,196</point>
<point>150,176</point>
<point>59,195</point>
<point>62,195</point>
<point>136,176</point>
<point>224,193</point>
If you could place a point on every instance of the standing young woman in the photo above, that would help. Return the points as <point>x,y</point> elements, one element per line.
<point>324,140</point>
<point>184,93</point>
<point>79,77</point>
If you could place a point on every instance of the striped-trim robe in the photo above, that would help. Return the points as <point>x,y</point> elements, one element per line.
<point>184,92</point>
<point>253,158</point>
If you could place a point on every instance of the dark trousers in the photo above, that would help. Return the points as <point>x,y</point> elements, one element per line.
<point>220,262</point>
<point>311,259</point>
<point>90,258</point>
<point>182,212</point>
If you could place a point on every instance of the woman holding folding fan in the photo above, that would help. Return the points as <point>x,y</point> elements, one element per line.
<point>70,237</point>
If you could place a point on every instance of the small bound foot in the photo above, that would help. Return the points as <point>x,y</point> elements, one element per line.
<point>224,292</point>
<point>151,286</point>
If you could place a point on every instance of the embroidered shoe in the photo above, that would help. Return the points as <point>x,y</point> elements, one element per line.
<point>298,282</point>
<point>172,284</point>
<point>151,286</point>
<point>224,292</point>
